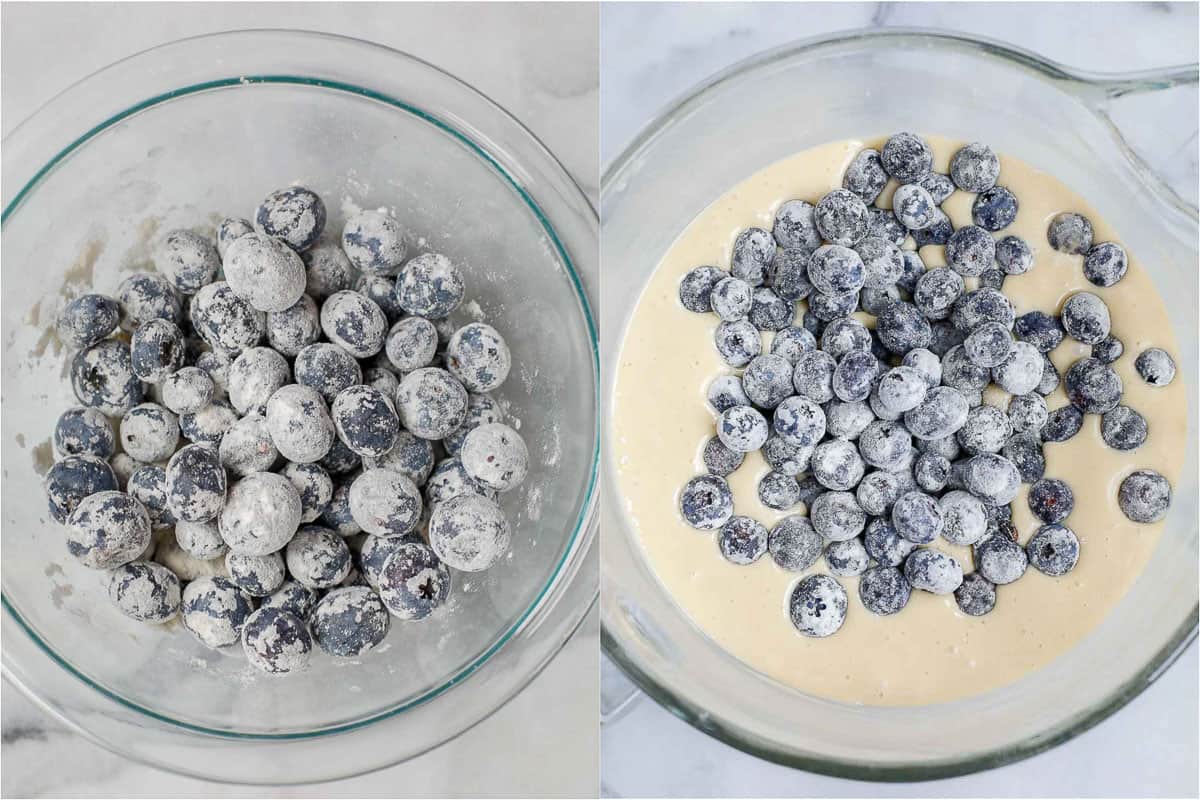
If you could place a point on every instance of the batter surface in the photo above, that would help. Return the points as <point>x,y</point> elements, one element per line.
<point>930,652</point>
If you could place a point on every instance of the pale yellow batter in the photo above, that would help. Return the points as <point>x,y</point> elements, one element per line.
<point>929,652</point>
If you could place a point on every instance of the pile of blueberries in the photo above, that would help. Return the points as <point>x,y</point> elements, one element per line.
<point>329,414</point>
<point>882,432</point>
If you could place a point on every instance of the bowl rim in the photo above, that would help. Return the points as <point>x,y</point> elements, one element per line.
<point>583,529</point>
<point>1103,85</point>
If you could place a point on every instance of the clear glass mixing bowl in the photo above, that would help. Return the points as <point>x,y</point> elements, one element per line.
<point>179,136</point>
<point>799,96</point>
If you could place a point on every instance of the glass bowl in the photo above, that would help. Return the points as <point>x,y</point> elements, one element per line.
<point>186,133</point>
<point>728,129</point>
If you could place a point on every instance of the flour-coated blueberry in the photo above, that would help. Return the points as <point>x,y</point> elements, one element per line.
<point>276,641</point>
<point>258,576</point>
<point>225,320</point>
<point>906,157</point>
<point>385,503</point>
<point>145,591</point>
<point>841,217</point>
<point>695,289</point>
<point>374,242</point>
<point>431,402</point>
<point>995,209</point>
<point>87,319</point>
<point>817,606</point>
<point>1093,387</point>
<point>1123,428</point>
<point>414,582</point>
<point>1155,366</point>
<point>188,260</point>
<point>1021,371</point>
<point>299,422</point>
<point>975,167</point>
<point>791,274</point>
<point>737,342</point>
<point>295,214</point>
<point>1000,559</point>
<point>1144,496</point>
<point>706,502</point>
<point>742,428</point>
<point>865,175</point>
<point>837,516</point>
<point>107,529</point>
<point>976,596</point>
<point>1053,550</point>
<point>214,610</point>
<point>430,286</point>
<point>933,571</point>
<point>349,621</point>
<point>84,431</point>
<point>317,557</point>
<point>1070,233</point>
<point>265,271</point>
<point>901,327</point>
<point>914,206</point>
<point>145,296</point>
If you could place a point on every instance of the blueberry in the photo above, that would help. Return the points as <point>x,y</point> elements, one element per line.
<point>742,540</point>
<point>791,274</point>
<point>299,423</point>
<point>799,421</point>
<point>1027,413</point>
<point>1093,387</point>
<point>1155,366</point>
<point>932,571</point>
<point>84,431</point>
<point>337,516</point>
<point>719,460</point>
<point>942,413</point>
<point>229,231</point>
<point>1144,496</point>
<point>1025,451</point>
<point>695,290</point>
<point>214,610</point>
<point>939,186</point>
<point>962,373</point>
<point>917,517</point>
<point>382,292</point>
<point>1053,550</point>
<point>826,307</point>
<point>1000,559</point>
<point>295,214</point>
<point>795,227</point>
<point>1014,255</point>
<point>915,207</point>
<point>384,502</point>
<point>365,421</point>
<point>901,328</point>
<point>339,459</point>
<point>970,251</point>
<point>149,432</point>
<point>726,391</point>
<point>874,301</point>
<point>812,376</point>
<point>975,168</point>
<point>1108,349</point>
<point>837,516</point>
<point>769,311</point>
<point>837,465</point>
<point>1050,377</point>
<point>318,557</point>
<point>841,217</point>
<point>787,459</point>
<point>847,420</point>
<point>737,342</point>
<point>208,425</point>
<point>883,265</point>
<point>906,157</point>
<point>865,175</point>
<point>1070,233</point>
<point>430,286</point>
<point>753,256</point>
<point>989,345</point>
<point>349,621</point>
<point>328,369</point>
<point>964,518</point>
<point>885,545</point>
<point>225,320</point>
<point>834,269</point>
<point>811,322</point>
<point>742,429</point>
<point>294,328</point>
<point>986,430</point>
<point>469,532</point>
<point>374,242</point>
<point>355,323</point>
<point>1085,318</point>
<point>931,472</point>
<point>884,224</point>
<point>791,343</point>
<point>854,376</point>
<point>1105,264</point>
<point>1040,330</point>
<point>265,271</point>
<point>817,606</point>
<point>938,233</point>
<point>107,529</point>
<point>877,492</point>
<point>103,378</point>
<point>1022,371</point>
<point>847,559</point>
<point>145,591</point>
<point>944,336</point>
<point>731,299</point>
<point>449,479</point>
<point>936,292</point>
<point>146,296</point>
<point>327,270</point>
<point>995,209</point>
<point>1062,424</point>
<point>87,320</point>
<point>413,582</point>
<point>976,596</point>
<point>992,278</point>
<point>883,590</point>
<point>411,456</point>
<point>946,447</point>
<point>254,376</point>
<point>980,306</point>
<point>992,478</point>
<point>706,502</point>
<point>1123,428</point>
<point>188,260</point>
<point>258,576</point>
<point>793,543</point>
<point>431,403</point>
<point>481,409</point>
<point>293,597</point>
<point>260,514</point>
<point>495,455</point>
<point>884,444</point>
<point>1051,500</point>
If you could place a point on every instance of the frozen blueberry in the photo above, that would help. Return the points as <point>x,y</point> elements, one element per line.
<point>936,234</point>
<point>1144,496</point>
<point>877,492</point>
<point>1022,371</point>
<point>1105,264</point>
<point>837,465</point>
<point>385,503</point>
<point>931,472</point>
<point>847,420</point>
<point>932,571</point>
<point>295,214</point>
<point>196,483</point>
<point>793,543</point>
<point>299,422</point>
<point>291,330</point>
<point>478,356</point>
<point>1062,424</point>
<point>742,429</point>
<point>883,265</point>
<point>834,269</point>
<point>976,596</point>
<point>276,641</point>
<point>791,274</point>
<point>225,320</point>
<point>87,320</point>
<point>753,256</point>
<point>1123,428</point>
<point>706,502</point>
<point>1085,318</point>
<point>265,271</point>
<point>355,323</point>
<point>994,209</point>
<point>291,596</point>
<point>336,515</point>
<point>495,456</point>
<point>1040,330</point>
<point>874,301</point>
<point>742,540</point>
<point>884,224</point>
<point>980,306</point>
<point>844,335</point>
<point>854,376</point>
<point>847,559</point>
<point>719,460</point>
<point>885,545</point>
<point>107,529</point>
<point>970,251</point>
<point>449,479</point>
<point>1050,377</point>
<point>817,606</point>
<point>214,610</point>
<point>944,336</point>
<point>778,491</point>
<point>937,291</point>
<point>260,515</point>
<point>884,444</point>
<point>1155,366</point>
<point>1051,500</point>
<point>992,478</point>
<point>469,532</point>
<point>72,479</point>
<point>737,342</point>
<point>914,206</point>
<point>865,175</point>
<point>1093,387</point>
<point>1014,255</point>
<point>430,286</point>
<point>883,590</point>
<point>901,327</point>
<point>103,378</point>
<point>941,413</point>
<point>188,260</point>
<point>1000,559</point>
<point>731,299</point>
<point>695,290</point>
<point>975,168</point>
<point>791,343</point>
<point>1053,550</point>
<point>365,421</point>
<point>769,311</point>
<point>413,582</point>
<point>327,368</point>
<point>837,516</point>
<point>374,242</point>
<point>257,576</point>
<point>431,403</point>
<point>1025,451</point>
<point>146,296</point>
<point>826,307</point>
<point>318,557</point>
<point>145,591</point>
<point>481,410</point>
<point>149,432</point>
<point>187,390</point>
<point>1027,413</point>
<point>917,517</point>
<point>349,621</point>
<point>841,217</point>
<point>986,430</point>
<point>1070,233</point>
<point>1108,349</point>
<point>84,431</point>
<point>906,157</point>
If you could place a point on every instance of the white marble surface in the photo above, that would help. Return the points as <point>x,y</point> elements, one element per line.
<point>541,63</point>
<point>653,53</point>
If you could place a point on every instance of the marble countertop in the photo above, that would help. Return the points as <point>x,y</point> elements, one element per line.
<point>541,63</point>
<point>653,53</point>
